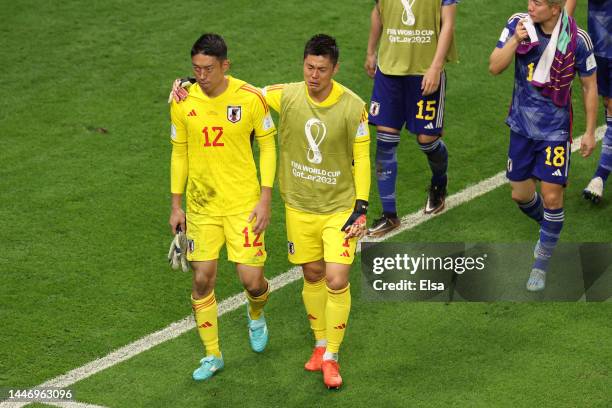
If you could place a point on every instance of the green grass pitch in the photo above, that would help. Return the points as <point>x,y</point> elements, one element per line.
<point>84,176</point>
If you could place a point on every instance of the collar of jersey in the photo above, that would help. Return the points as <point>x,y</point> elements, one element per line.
<point>331,99</point>
<point>197,92</point>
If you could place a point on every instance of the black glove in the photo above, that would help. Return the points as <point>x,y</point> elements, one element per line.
<point>358,216</point>
<point>180,83</point>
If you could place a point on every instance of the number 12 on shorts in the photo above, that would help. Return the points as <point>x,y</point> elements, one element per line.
<point>247,243</point>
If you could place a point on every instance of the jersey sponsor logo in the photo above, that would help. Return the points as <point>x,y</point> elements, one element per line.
<point>234,113</point>
<point>205,325</point>
<point>429,126</point>
<point>557,173</point>
<point>259,253</point>
<point>340,326</point>
<point>346,254</point>
<point>374,108</point>
<point>173,131</point>
<point>192,113</point>
<point>290,247</point>
<point>315,131</point>
<point>407,15</point>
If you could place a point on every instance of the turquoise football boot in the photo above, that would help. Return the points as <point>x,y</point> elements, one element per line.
<point>258,332</point>
<point>209,366</point>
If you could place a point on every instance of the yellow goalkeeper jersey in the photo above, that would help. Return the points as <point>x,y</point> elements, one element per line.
<point>212,153</point>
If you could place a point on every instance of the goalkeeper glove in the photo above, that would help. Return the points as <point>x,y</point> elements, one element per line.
<point>177,256</point>
<point>358,216</point>
<point>177,87</point>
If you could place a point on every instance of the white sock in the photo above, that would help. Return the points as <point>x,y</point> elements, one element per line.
<point>330,356</point>
<point>321,343</point>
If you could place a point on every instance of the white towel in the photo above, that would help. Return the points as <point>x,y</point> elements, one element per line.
<point>541,74</point>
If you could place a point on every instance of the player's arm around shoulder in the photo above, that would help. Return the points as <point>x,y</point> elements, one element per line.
<point>508,42</point>
<point>273,94</point>
<point>180,89</point>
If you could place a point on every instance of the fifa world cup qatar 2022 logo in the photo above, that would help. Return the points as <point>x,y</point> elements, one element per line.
<point>407,15</point>
<point>315,131</point>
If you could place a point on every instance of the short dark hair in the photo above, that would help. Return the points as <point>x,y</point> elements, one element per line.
<point>324,45</point>
<point>210,44</point>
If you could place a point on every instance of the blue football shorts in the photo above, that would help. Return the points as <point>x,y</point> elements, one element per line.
<point>397,100</point>
<point>545,160</point>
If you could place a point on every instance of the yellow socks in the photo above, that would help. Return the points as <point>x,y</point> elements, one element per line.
<point>336,314</point>
<point>314,295</point>
<point>257,303</point>
<point>205,311</point>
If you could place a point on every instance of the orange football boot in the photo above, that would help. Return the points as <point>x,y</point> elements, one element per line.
<point>314,363</point>
<point>331,374</point>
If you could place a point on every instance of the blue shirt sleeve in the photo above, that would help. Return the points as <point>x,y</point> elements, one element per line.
<point>508,31</point>
<point>585,59</point>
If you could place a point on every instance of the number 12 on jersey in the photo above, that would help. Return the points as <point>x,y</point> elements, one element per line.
<point>216,137</point>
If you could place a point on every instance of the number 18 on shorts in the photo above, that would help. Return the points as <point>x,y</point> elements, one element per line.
<point>545,160</point>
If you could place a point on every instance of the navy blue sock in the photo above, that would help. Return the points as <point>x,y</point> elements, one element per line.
<point>386,170</point>
<point>550,230</point>
<point>437,157</point>
<point>605,161</point>
<point>534,209</point>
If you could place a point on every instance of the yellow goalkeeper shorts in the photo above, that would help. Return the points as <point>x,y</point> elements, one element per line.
<point>311,237</point>
<point>206,235</point>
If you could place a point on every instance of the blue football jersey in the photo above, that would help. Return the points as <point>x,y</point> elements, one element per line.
<point>600,26</point>
<point>531,114</point>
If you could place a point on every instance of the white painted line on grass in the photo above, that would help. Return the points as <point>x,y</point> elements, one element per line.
<point>75,404</point>
<point>234,302</point>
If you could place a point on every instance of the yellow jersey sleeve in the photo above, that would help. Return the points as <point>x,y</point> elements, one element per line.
<point>273,94</point>
<point>179,163</point>
<point>178,132</point>
<point>361,156</point>
<point>267,159</point>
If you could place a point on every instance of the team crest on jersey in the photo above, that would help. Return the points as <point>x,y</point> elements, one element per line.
<point>374,108</point>
<point>234,113</point>
<point>290,247</point>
